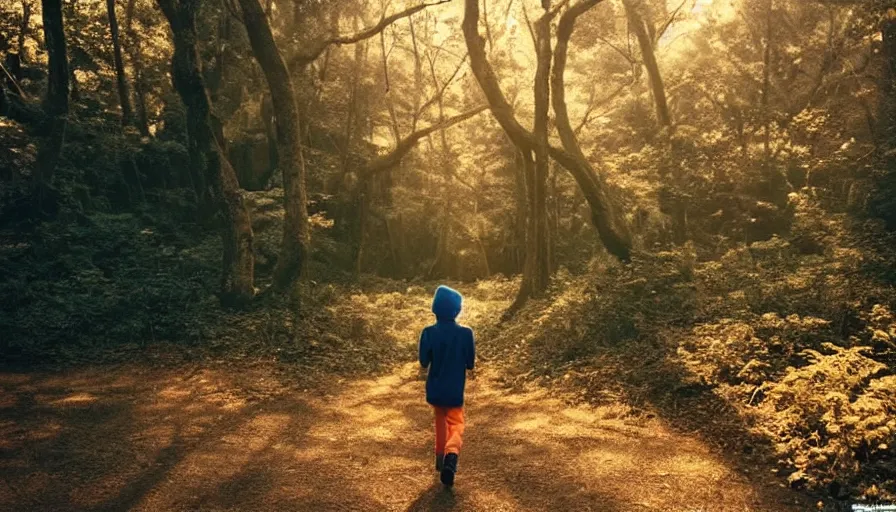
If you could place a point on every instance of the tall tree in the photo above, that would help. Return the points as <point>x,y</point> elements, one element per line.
<point>634,10</point>
<point>887,94</point>
<point>766,86</point>
<point>24,30</point>
<point>124,97</point>
<point>205,154</point>
<point>442,259</point>
<point>886,120</point>
<point>135,53</point>
<point>610,225</point>
<point>537,278</point>
<point>672,200</point>
<point>296,235</point>
<point>535,149</point>
<point>55,104</point>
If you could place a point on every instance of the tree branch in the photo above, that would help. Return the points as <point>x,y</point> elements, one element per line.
<point>404,146</point>
<point>592,106</point>
<point>304,58</point>
<point>668,23</point>
<point>613,231</point>
<point>442,87</point>
<point>625,54</point>
<point>488,81</point>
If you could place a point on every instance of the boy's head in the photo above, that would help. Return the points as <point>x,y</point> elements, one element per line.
<point>446,303</point>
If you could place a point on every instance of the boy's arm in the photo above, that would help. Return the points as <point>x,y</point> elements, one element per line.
<point>425,353</point>
<point>471,352</point>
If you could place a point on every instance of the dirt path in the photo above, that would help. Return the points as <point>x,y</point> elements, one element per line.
<point>154,440</point>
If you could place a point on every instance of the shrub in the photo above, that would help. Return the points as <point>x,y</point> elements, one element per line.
<point>831,416</point>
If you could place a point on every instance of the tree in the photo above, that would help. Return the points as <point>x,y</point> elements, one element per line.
<point>294,248</point>
<point>887,94</point>
<point>610,226</point>
<point>886,120</point>
<point>24,30</point>
<point>207,156</point>
<point>536,272</point>
<point>135,53</point>
<point>122,81</point>
<point>55,105</point>
<point>673,200</point>
<point>633,11</point>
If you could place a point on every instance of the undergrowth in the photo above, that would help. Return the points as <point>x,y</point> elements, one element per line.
<point>792,336</point>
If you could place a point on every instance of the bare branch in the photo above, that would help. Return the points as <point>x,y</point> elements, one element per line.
<point>305,58</point>
<point>14,82</point>
<point>440,93</point>
<point>389,160</point>
<point>564,32</point>
<point>625,54</point>
<point>668,23</point>
<point>592,106</point>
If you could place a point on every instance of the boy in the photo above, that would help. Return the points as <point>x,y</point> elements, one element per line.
<point>448,350</point>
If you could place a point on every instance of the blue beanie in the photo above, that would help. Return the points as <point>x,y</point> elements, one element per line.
<point>446,303</point>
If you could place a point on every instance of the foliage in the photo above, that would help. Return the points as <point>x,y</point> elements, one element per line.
<point>758,278</point>
<point>607,307</point>
<point>833,417</point>
<point>114,281</point>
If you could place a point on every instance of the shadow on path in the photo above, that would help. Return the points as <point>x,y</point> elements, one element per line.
<point>154,440</point>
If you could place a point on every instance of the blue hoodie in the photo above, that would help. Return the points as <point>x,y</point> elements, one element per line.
<point>448,350</point>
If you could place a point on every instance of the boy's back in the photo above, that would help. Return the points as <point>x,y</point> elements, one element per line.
<point>448,349</point>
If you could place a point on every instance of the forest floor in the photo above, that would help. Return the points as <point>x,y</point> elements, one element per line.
<point>218,434</point>
<point>211,439</point>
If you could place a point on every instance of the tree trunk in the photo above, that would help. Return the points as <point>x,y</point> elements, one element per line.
<point>337,179</point>
<point>24,29</point>
<point>885,127</point>
<point>611,227</point>
<point>56,105</point>
<point>645,42</point>
<point>774,187</point>
<point>361,227</point>
<point>443,246</point>
<point>440,264</point>
<point>135,53</point>
<point>74,93</point>
<point>270,132</point>
<point>294,249</point>
<point>238,259</point>
<point>520,211</point>
<point>395,231</point>
<point>553,221</point>
<point>536,268</point>
<point>538,219</point>
<point>766,88</point>
<point>669,167</point>
<point>887,94</point>
<point>124,97</point>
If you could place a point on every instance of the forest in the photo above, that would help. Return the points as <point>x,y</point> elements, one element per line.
<point>222,222</point>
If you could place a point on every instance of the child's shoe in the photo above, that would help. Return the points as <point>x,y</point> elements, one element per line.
<point>440,459</point>
<point>449,468</point>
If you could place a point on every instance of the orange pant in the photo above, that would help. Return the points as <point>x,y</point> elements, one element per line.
<point>449,429</point>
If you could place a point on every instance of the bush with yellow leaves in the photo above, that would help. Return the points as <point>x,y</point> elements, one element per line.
<point>829,418</point>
